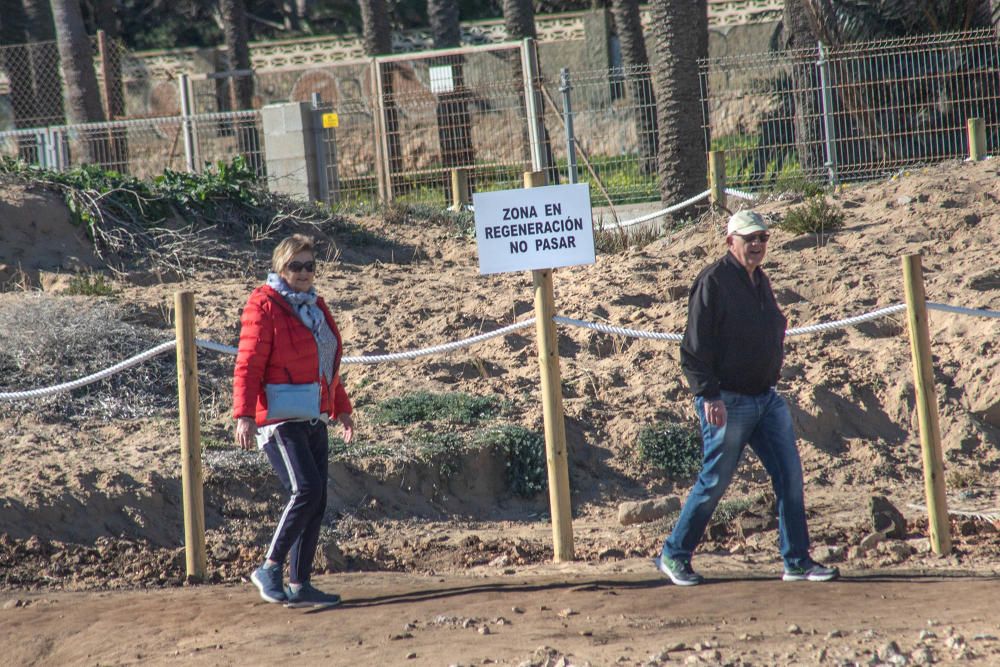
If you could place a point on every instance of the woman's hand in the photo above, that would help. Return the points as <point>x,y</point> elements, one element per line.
<point>715,412</point>
<point>246,432</point>
<point>345,420</point>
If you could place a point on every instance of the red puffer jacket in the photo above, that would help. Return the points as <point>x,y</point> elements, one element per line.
<point>277,348</point>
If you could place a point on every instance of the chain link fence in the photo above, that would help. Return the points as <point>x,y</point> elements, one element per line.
<point>854,113</point>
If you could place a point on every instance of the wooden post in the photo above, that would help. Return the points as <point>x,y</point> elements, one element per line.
<point>977,139</point>
<point>556,458</point>
<point>191,482</point>
<point>717,178</point>
<point>106,83</point>
<point>459,189</point>
<point>927,410</point>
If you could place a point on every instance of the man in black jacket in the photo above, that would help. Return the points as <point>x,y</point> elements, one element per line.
<point>731,355</point>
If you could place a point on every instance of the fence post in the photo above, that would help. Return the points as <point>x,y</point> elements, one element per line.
<point>977,139</point>
<point>556,458</point>
<point>184,85</point>
<point>320,138</point>
<point>717,178</point>
<point>459,189</point>
<point>191,482</point>
<point>927,410</point>
<point>536,130</point>
<point>381,135</point>
<point>565,88</point>
<point>102,49</point>
<point>824,83</point>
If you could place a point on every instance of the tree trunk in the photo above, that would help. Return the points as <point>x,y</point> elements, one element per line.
<point>519,21</point>
<point>234,18</point>
<point>805,82</point>
<point>41,33</point>
<point>636,62</point>
<point>453,121</point>
<point>81,93</point>
<point>377,38</point>
<point>681,27</point>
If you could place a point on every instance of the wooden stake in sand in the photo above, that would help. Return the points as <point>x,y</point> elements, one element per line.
<point>927,409</point>
<point>556,459</point>
<point>191,481</point>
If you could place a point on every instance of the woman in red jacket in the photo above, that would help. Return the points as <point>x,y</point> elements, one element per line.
<point>286,388</point>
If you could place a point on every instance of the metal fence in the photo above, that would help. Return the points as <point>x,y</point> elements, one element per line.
<point>853,113</point>
<point>143,148</point>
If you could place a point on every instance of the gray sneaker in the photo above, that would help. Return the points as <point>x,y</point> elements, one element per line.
<point>679,570</point>
<point>308,596</point>
<point>268,582</point>
<point>811,571</point>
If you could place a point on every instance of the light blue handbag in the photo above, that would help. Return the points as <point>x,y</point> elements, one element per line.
<point>292,401</point>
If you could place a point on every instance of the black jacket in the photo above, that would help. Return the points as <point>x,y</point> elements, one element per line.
<point>735,332</point>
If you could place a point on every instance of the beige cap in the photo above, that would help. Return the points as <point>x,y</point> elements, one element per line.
<point>746,222</point>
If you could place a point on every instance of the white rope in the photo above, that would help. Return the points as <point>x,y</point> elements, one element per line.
<point>100,375</point>
<point>447,347</point>
<point>850,321</point>
<point>740,194</point>
<point>604,328</point>
<point>669,209</point>
<point>980,312</point>
<point>454,345</point>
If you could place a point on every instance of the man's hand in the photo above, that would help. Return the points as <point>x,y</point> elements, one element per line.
<point>246,431</point>
<point>715,412</point>
<point>348,424</point>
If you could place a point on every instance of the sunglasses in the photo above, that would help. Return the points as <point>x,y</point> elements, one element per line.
<point>762,237</point>
<point>295,267</point>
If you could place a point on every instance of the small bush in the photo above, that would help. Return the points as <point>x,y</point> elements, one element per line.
<point>89,284</point>
<point>674,449</point>
<point>525,450</point>
<point>426,406</point>
<point>815,216</point>
<point>442,448</point>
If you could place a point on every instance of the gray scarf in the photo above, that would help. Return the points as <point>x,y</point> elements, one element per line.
<point>305,306</point>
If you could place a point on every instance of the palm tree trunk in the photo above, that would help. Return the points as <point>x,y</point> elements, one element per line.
<point>633,45</point>
<point>681,27</point>
<point>81,94</point>
<point>453,120</point>
<point>377,39</point>
<point>234,18</point>
<point>805,83</point>
<point>519,21</point>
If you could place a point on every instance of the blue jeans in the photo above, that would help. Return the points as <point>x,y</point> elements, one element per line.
<point>765,423</point>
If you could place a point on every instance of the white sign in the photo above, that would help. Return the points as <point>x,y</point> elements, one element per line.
<point>534,228</point>
<point>442,80</point>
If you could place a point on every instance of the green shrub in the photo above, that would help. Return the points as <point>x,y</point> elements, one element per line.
<point>442,448</point>
<point>674,449</point>
<point>815,216</point>
<point>525,452</point>
<point>89,284</point>
<point>427,406</point>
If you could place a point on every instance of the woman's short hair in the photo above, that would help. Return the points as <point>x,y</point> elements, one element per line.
<point>289,248</point>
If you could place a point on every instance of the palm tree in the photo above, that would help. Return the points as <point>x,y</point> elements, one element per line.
<point>681,27</point>
<point>519,21</point>
<point>798,35</point>
<point>234,21</point>
<point>454,125</point>
<point>377,38</point>
<point>80,91</point>
<point>629,27</point>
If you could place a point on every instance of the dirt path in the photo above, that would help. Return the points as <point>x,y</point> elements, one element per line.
<point>587,614</point>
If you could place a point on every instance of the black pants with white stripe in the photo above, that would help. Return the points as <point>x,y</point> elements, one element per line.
<point>298,451</point>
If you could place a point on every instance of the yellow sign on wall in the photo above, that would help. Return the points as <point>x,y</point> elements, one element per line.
<point>331,120</point>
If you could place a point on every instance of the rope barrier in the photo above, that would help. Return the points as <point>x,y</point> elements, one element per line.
<point>740,194</point>
<point>669,209</point>
<point>454,345</point>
